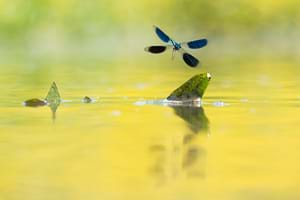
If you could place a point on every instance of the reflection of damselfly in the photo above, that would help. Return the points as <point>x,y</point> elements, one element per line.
<point>188,58</point>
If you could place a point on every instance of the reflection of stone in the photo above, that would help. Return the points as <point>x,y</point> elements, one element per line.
<point>194,116</point>
<point>191,156</point>
<point>182,156</point>
<point>194,155</point>
<point>171,161</point>
<point>194,161</point>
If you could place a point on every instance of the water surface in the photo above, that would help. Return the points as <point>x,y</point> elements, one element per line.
<point>242,143</point>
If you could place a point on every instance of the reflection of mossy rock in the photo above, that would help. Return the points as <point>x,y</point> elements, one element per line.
<point>192,89</point>
<point>194,116</point>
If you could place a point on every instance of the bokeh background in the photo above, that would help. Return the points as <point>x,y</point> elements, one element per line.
<point>96,43</point>
<point>243,143</point>
<point>73,30</point>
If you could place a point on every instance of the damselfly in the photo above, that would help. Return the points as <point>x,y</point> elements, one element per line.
<point>187,57</point>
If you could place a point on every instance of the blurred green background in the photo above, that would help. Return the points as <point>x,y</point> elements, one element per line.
<point>245,143</point>
<point>75,30</point>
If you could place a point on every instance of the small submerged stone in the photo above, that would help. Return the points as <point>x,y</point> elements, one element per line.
<point>35,102</point>
<point>87,99</point>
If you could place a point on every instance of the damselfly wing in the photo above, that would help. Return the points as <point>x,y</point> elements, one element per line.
<point>196,44</point>
<point>188,58</point>
<point>164,37</point>
<point>158,48</point>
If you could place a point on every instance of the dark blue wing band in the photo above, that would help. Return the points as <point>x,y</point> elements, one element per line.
<point>190,60</point>
<point>156,49</point>
<point>197,44</point>
<point>162,35</point>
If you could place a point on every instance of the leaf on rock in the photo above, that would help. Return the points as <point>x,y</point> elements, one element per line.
<point>53,94</point>
<point>53,97</point>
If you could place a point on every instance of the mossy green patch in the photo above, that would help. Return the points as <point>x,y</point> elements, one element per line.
<point>191,89</point>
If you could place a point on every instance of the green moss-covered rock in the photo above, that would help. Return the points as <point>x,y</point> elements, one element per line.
<point>192,89</point>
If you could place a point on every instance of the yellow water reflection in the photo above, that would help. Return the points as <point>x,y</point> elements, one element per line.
<point>242,144</point>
